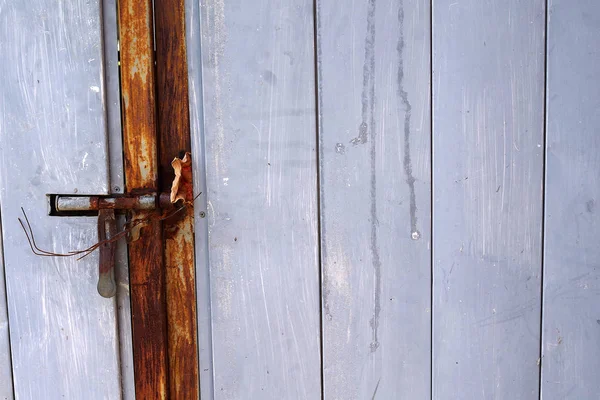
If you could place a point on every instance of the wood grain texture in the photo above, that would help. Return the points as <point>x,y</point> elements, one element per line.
<point>147,275</point>
<point>259,127</point>
<point>571,316</point>
<point>178,232</point>
<point>64,340</point>
<point>374,120</point>
<point>488,107</point>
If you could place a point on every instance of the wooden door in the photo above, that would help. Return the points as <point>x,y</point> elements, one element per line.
<point>60,132</point>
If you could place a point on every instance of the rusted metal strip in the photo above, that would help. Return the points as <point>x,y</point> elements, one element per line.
<point>107,228</point>
<point>147,278</point>
<point>93,203</point>
<point>178,233</point>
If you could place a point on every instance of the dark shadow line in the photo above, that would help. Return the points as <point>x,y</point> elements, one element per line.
<point>431,199</point>
<point>318,122</point>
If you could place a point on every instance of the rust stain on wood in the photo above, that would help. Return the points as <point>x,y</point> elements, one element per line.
<point>138,88</point>
<point>181,307</point>
<point>148,312</point>
<point>178,233</point>
<point>147,277</point>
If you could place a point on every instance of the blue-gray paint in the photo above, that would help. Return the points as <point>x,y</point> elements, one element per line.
<point>571,332</point>
<point>112,97</point>
<point>374,100</point>
<point>258,124</point>
<point>488,111</point>
<point>6,381</point>
<point>53,139</point>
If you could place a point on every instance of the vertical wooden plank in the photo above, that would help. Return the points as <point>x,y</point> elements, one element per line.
<point>202,271</point>
<point>488,105</point>
<point>112,103</point>
<point>124,317</point>
<point>374,119</point>
<point>147,279</point>
<point>6,379</point>
<point>571,317</point>
<point>63,335</point>
<point>259,126</point>
<point>117,185</point>
<point>178,232</point>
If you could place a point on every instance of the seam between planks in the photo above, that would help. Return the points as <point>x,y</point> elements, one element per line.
<point>432,198</point>
<point>318,108</point>
<point>544,180</point>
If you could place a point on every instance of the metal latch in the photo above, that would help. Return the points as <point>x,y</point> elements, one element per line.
<point>105,207</point>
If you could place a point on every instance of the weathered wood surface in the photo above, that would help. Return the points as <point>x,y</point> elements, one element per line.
<point>571,313</point>
<point>53,139</point>
<point>147,276</point>
<point>196,111</point>
<point>112,94</point>
<point>375,187</point>
<point>178,232</point>
<point>261,164</point>
<point>488,112</point>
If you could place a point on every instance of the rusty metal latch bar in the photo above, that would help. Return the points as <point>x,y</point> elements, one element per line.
<point>74,204</point>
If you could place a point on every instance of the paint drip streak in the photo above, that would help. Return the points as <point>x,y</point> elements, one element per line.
<point>410,179</point>
<point>368,114</point>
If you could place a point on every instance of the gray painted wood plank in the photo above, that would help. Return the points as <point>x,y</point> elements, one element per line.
<point>123,304</point>
<point>6,380</point>
<point>63,335</point>
<point>260,132</point>
<point>203,287</point>
<point>488,107</point>
<point>374,119</point>
<point>112,95</point>
<point>571,314</point>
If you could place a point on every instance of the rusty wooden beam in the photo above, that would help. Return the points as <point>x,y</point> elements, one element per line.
<point>178,233</point>
<point>147,279</point>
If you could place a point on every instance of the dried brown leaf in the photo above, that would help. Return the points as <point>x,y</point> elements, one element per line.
<point>182,187</point>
